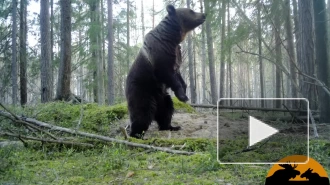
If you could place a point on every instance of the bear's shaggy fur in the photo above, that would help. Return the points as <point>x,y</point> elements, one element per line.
<point>156,68</point>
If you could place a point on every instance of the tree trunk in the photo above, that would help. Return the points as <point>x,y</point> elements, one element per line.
<point>292,58</point>
<point>191,67</point>
<point>210,53</point>
<point>111,91</point>
<point>297,33</point>
<point>22,53</point>
<point>222,59</point>
<point>229,58</point>
<point>127,36</point>
<point>99,66</point>
<point>46,68</point>
<point>261,69</point>
<point>142,19</point>
<point>278,55</point>
<point>14,53</point>
<point>203,59</point>
<point>306,63</point>
<point>153,14</point>
<point>52,40</point>
<point>64,74</point>
<point>322,60</point>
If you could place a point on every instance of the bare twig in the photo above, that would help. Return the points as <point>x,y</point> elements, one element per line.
<point>124,132</point>
<point>45,140</point>
<point>9,111</point>
<point>20,121</point>
<point>81,112</point>
<point>313,124</point>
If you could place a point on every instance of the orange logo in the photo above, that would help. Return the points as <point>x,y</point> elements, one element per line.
<point>290,173</point>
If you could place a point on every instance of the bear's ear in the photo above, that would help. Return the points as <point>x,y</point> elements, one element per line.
<point>170,9</point>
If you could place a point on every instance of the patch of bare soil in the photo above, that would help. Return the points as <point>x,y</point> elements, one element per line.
<point>204,125</point>
<point>199,125</point>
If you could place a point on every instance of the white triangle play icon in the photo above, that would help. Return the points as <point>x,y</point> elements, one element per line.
<point>259,131</point>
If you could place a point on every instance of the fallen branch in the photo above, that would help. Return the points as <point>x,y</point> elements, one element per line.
<point>45,140</point>
<point>103,138</point>
<point>20,121</point>
<point>247,108</point>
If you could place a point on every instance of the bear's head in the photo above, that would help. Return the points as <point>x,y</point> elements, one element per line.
<point>187,18</point>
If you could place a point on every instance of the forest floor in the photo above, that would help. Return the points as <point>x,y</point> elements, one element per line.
<point>110,163</point>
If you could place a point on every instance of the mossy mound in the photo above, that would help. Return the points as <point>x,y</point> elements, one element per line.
<point>180,106</point>
<point>92,117</point>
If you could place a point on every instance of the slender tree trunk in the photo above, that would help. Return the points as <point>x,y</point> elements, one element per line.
<point>203,59</point>
<point>153,14</point>
<point>127,36</point>
<point>102,53</point>
<point>142,19</point>
<point>93,36</point>
<point>99,66</point>
<point>322,60</point>
<point>210,54</point>
<point>306,63</point>
<point>229,58</point>
<point>14,53</point>
<point>278,56</point>
<point>297,33</point>
<point>191,66</point>
<point>292,58</point>
<point>111,91</point>
<point>222,65</point>
<point>81,67</point>
<point>261,69</point>
<point>22,53</point>
<point>52,40</point>
<point>64,75</point>
<point>46,67</point>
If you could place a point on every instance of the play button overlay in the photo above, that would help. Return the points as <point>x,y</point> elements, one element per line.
<point>259,131</point>
<point>262,131</point>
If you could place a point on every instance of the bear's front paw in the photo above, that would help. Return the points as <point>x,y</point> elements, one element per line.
<point>181,96</point>
<point>175,128</point>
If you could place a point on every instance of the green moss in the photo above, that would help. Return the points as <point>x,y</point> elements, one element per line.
<point>93,117</point>
<point>178,105</point>
<point>111,164</point>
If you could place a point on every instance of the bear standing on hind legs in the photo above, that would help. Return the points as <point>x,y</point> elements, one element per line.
<point>155,69</point>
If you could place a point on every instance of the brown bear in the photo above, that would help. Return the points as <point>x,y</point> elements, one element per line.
<point>155,69</point>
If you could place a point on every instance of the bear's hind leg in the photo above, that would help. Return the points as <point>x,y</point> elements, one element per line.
<point>164,113</point>
<point>142,110</point>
